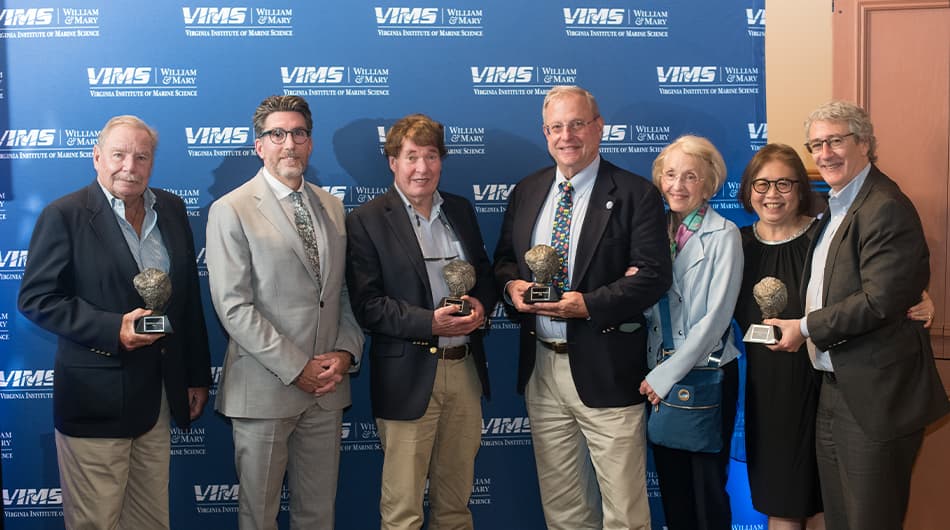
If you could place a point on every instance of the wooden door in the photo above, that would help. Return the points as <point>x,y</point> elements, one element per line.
<point>893,58</point>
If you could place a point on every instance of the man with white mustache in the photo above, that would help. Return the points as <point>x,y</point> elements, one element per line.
<point>275,248</point>
<point>117,390</point>
<point>866,267</point>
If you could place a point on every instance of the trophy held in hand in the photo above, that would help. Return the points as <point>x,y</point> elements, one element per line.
<point>460,277</point>
<point>155,288</point>
<point>544,263</point>
<point>772,296</point>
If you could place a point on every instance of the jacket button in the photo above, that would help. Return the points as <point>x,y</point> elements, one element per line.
<point>433,350</point>
<point>680,333</point>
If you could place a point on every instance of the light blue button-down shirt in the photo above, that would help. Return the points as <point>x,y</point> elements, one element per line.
<point>148,250</point>
<point>439,246</point>
<point>583,183</point>
<point>838,205</point>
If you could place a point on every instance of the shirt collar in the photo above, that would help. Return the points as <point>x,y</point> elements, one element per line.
<point>841,200</point>
<point>118,205</point>
<point>583,181</point>
<point>280,189</point>
<point>436,204</point>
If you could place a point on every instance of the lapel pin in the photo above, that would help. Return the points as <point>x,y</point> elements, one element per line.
<point>610,205</point>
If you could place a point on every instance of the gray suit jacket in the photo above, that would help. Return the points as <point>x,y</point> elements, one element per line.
<point>268,301</point>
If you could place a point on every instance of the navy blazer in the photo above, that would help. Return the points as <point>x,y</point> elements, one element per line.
<point>391,297</point>
<point>624,226</point>
<point>877,266</point>
<point>78,284</point>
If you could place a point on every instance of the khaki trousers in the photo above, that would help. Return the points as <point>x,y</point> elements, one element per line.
<point>116,483</point>
<point>591,461</point>
<point>441,444</point>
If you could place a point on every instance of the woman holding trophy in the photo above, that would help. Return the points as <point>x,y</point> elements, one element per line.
<point>782,388</point>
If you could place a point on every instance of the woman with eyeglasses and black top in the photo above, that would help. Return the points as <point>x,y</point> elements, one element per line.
<point>781,387</point>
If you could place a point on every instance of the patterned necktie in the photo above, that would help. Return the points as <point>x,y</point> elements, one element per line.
<point>307,234</point>
<point>561,233</point>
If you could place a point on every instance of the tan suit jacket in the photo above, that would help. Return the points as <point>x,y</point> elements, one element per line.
<point>269,302</point>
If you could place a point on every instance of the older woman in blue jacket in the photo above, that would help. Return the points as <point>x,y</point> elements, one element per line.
<point>707,275</point>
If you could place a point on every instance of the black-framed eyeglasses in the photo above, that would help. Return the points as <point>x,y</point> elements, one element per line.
<point>833,142</point>
<point>278,135</point>
<point>572,126</point>
<point>782,186</point>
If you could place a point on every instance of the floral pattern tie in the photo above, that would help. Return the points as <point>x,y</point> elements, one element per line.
<point>307,234</point>
<point>561,233</point>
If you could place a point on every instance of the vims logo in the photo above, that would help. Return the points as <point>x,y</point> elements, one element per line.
<point>492,192</point>
<point>32,502</point>
<point>758,135</point>
<point>119,76</point>
<point>311,75</point>
<point>406,16</point>
<point>33,16</point>
<point>219,141</point>
<point>202,262</point>
<point>25,379</point>
<point>515,425</point>
<point>594,16</point>
<point>758,131</point>
<point>502,75</point>
<point>27,137</point>
<point>614,133</point>
<point>499,318</point>
<point>216,496</point>
<point>491,198</point>
<point>506,431</point>
<point>686,74</point>
<point>215,371</point>
<point>217,135</point>
<point>337,191</point>
<point>214,16</point>
<point>755,17</point>
<point>13,260</point>
<point>381,132</point>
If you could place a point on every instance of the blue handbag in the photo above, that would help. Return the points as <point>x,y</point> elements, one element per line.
<point>690,418</point>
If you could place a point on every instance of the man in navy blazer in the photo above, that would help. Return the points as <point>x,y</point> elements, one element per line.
<point>583,357</point>
<point>866,267</point>
<point>427,364</point>
<point>116,390</point>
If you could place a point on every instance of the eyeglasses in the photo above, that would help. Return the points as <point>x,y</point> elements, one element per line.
<point>782,186</point>
<point>689,178</point>
<point>833,142</point>
<point>278,135</point>
<point>572,126</point>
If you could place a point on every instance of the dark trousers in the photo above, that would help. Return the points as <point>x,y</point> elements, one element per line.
<point>693,485</point>
<point>865,483</point>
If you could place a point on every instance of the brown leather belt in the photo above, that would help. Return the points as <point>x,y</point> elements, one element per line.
<point>556,347</point>
<point>453,353</point>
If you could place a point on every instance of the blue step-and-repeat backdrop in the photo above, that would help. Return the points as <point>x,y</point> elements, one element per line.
<point>196,71</point>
